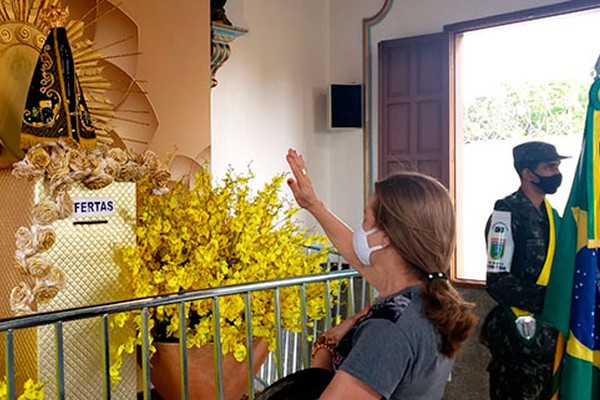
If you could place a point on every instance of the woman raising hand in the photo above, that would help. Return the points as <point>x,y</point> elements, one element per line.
<point>403,346</point>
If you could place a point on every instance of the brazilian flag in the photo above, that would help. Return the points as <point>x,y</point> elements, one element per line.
<point>572,302</point>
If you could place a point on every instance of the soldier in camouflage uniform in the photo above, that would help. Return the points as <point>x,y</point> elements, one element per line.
<point>522,369</point>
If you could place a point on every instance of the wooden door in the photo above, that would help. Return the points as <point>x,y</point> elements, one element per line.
<point>413,129</point>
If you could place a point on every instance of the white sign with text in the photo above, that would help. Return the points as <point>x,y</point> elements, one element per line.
<point>93,207</point>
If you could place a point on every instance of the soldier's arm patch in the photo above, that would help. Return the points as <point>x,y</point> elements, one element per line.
<point>500,244</point>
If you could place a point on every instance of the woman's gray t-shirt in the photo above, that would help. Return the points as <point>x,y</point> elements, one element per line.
<point>395,350</point>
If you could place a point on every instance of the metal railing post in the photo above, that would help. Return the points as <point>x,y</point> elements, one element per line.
<point>304,343</point>
<point>147,384</point>
<point>183,351</point>
<point>294,341</point>
<point>105,357</point>
<point>10,363</point>
<point>278,355</point>
<point>218,359</point>
<point>250,346</point>
<point>60,361</point>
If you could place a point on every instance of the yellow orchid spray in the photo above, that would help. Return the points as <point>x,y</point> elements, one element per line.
<point>31,390</point>
<point>216,235</point>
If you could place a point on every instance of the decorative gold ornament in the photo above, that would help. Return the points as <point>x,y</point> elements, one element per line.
<point>95,169</point>
<point>24,26</point>
<point>54,16</point>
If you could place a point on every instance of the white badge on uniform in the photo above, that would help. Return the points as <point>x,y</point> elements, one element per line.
<point>500,244</point>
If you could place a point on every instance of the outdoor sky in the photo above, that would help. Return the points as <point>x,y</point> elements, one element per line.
<point>558,47</point>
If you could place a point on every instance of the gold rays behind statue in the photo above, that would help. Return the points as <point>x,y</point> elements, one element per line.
<point>24,25</point>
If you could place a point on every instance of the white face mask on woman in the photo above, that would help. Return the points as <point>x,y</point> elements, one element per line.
<point>361,244</point>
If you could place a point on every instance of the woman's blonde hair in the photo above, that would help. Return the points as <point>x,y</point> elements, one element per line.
<point>416,213</point>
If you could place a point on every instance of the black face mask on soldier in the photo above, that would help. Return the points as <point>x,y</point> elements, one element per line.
<point>548,184</point>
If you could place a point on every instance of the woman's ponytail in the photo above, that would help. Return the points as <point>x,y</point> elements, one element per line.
<point>416,213</point>
<point>449,312</point>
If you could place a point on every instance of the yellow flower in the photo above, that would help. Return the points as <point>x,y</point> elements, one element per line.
<point>215,235</point>
<point>31,390</point>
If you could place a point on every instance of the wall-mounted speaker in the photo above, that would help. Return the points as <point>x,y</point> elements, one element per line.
<point>345,106</point>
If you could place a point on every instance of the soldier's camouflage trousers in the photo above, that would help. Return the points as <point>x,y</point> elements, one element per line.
<point>520,369</point>
<point>524,382</point>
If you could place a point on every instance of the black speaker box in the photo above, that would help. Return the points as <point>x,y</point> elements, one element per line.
<point>345,106</point>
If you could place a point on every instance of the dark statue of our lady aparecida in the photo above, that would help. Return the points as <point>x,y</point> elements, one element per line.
<point>55,105</point>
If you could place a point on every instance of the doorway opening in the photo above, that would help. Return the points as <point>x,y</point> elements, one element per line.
<point>515,83</point>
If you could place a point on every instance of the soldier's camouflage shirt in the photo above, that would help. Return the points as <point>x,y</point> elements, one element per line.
<point>530,230</point>
<point>518,288</point>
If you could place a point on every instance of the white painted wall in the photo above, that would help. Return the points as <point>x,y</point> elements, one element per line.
<point>271,93</point>
<point>346,65</point>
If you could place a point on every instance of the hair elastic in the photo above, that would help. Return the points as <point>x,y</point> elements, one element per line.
<point>436,275</point>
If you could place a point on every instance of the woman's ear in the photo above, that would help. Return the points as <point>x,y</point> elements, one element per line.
<point>385,241</point>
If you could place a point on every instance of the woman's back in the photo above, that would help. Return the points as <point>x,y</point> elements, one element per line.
<point>395,349</point>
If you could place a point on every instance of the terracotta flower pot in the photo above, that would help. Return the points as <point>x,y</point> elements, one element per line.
<point>166,376</point>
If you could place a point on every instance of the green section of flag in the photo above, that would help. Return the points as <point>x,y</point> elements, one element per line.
<point>581,374</point>
<point>557,306</point>
<point>567,307</point>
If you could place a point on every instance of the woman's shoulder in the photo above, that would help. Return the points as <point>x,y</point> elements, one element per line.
<point>392,307</point>
<point>402,306</point>
<point>403,314</point>
<point>411,338</point>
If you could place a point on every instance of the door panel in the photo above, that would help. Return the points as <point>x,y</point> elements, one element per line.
<point>399,121</point>
<point>429,115</point>
<point>414,106</point>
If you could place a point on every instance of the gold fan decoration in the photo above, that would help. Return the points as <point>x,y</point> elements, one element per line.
<point>24,25</point>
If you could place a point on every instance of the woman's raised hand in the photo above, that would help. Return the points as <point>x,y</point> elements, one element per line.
<point>336,230</point>
<point>301,185</point>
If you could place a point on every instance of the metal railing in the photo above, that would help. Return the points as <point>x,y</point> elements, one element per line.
<point>291,352</point>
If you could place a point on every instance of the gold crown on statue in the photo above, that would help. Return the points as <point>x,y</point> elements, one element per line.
<point>54,16</point>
